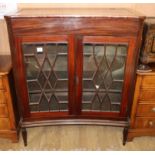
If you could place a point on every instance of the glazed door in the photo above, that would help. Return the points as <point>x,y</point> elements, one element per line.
<point>47,75</point>
<point>75,76</point>
<point>105,64</point>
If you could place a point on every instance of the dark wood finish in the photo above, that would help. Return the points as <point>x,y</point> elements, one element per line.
<point>71,70</point>
<point>142,121</point>
<point>22,80</point>
<point>129,70</point>
<point>125,133</point>
<point>76,27</point>
<point>29,124</point>
<point>86,26</point>
<point>79,70</point>
<point>24,135</point>
<point>9,117</point>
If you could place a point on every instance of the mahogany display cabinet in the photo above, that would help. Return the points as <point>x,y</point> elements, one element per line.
<point>74,66</point>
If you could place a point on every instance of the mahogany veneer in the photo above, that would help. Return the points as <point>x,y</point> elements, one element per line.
<point>74,66</point>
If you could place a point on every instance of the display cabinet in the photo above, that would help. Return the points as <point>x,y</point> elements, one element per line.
<point>74,66</point>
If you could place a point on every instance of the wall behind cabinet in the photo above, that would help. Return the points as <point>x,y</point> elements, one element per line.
<point>145,9</point>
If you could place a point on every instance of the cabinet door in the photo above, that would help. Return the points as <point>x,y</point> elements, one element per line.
<point>46,76</point>
<point>107,69</point>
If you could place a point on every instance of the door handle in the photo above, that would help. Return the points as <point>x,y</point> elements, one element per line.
<point>153,109</point>
<point>151,123</point>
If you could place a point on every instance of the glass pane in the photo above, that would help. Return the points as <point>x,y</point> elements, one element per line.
<point>88,84</point>
<point>51,53</point>
<point>89,66</point>
<point>96,103</point>
<point>28,49</point>
<point>43,105</point>
<point>62,96</point>
<point>62,85</point>
<point>33,85</point>
<point>47,86</point>
<point>88,48</point>
<point>62,48</point>
<point>54,106</point>
<point>34,108</point>
<point>99,51</point>
<point>86,106</point>
<point>110,54</point>
<point>46,67</point>
<point>42,79</point>
<point>47,76</point>
<point>60,67</point>
<point>32,68</point>
<point>34,98</point>
<point>103,74</point>
<point>115,98</point>
<point>53,79</point>
<point>106,103</point>
<point>88,96</point>
<point>116,86</point>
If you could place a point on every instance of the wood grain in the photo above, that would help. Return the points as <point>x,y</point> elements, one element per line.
<point>143,110</point>
<point>146,110</point>
<point>148,122</point>
<point>1,83</point>
<point>66,25</point>
<point>2,97</point>
<point>8,119</point>
<point>3,110</point>
<point>147,95</point>
<point>5,64</point>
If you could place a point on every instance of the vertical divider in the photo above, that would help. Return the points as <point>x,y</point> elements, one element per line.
<point>79,74</point>
<point>75,65</point>
<point>71,74</point>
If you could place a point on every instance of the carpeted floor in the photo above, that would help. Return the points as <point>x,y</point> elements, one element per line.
<point>75,137</point>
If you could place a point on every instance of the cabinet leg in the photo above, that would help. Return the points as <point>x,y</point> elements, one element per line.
<point>24,135</point>
<point>125,134</point>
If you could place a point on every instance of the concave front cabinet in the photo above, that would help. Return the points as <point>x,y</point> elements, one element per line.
<point>74,69</point>
<point>75,76</point>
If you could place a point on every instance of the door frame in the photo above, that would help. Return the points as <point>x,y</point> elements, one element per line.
<point>129,73</point>
<point>19,73</point>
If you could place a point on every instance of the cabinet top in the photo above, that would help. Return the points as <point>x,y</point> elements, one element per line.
<point>80,12</point>
<point>5,64</point>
